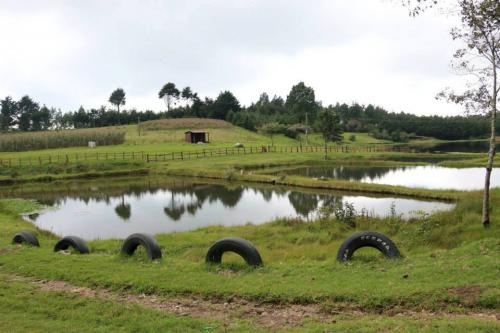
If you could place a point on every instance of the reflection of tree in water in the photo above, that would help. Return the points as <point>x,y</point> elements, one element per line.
<point>342,172</point>
<point>228,197</point>
<point>303,203</point>
<point>175,209</point>
<point>332,201</point>
<point>267,194</point>
<point>174,213</point>
<point>123,210</point>
<point>186,196</point>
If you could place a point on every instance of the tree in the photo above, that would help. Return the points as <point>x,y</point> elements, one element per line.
<point>224,103</point>
<point>480,60</point>
<point>26,108</point>
<point>480,32</point>
<point>8,113</point>
<point>42,119</point>
<point>169,93</point>
<point>187,94</point>
<point>117,98</point>
<point>301,102</point>
<point>330,127</point>
<point>271,129</point>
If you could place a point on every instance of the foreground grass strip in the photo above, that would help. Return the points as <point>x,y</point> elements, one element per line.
<point>27,308</point>
<point>238,314</point>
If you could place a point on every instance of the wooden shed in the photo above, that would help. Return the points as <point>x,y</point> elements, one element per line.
<point>195,137</point>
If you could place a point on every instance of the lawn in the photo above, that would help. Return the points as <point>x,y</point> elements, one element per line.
<point>447,280</point>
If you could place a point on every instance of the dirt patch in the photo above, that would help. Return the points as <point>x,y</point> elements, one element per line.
<point>11,249</point>
<point>469,294</point>
<point>267,315</point>
<point>264,314</point>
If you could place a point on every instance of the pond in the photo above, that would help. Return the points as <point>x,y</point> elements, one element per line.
<point>455,147</point>
<point>99,211</point>
<point>428,176</point>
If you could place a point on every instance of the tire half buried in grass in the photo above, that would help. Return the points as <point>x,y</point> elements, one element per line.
<point>25,237</point>
<point>367,239</point>
<point>72,241</point>
<point>237,245</point>
<point>148,242</point>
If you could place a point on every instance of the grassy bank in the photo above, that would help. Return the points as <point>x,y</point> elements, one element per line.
<point>296,254</point>
<point>450,265</point>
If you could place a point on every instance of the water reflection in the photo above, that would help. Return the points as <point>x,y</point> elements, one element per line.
<point>123,210</point>
<point>168,206</point>
<point>456,147</point>
<point>428,176</point>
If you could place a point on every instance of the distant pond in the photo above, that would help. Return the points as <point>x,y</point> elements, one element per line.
<point>100,211</point>
<point>429,176</point>
<point>456,147</point>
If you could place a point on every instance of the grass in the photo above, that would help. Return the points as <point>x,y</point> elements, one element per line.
<point>184,124</point>
<point>25,308</point>
<point>450,262</point>
<point>296,255</point>
<point>444,255</point>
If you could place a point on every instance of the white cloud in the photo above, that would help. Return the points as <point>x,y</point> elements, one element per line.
<point>71,53</point>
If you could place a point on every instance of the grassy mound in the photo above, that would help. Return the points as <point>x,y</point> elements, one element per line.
<point>183,123</point>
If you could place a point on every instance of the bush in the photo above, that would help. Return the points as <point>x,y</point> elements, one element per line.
<point>352,137</point>
<point>60,139</point>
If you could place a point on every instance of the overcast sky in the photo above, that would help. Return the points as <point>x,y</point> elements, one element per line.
<point>71,53</point>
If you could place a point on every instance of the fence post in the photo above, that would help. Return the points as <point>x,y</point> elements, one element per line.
<point>182,156</point>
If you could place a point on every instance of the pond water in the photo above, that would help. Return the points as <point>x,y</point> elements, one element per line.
<point>455,147</point>
<point>428,176</point>
<point>100,212</point>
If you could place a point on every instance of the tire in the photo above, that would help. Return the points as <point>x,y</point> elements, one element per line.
<point>75,242</point>
<point>26,237</point>
<point>237,245</point>
<point>150,244</point>
<point>367,239</point>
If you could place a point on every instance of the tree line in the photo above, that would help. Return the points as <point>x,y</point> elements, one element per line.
<point>297,113</point>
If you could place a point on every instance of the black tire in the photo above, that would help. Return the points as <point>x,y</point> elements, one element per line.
<point>367,239</point>
<point>26,237</point>
<point>150,244</point>
<point>237,245</point>
<point>75,242</point>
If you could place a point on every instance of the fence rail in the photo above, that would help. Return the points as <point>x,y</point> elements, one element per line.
<point>187,155</point>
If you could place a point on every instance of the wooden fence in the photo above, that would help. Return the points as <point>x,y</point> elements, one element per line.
<point>187,155</point>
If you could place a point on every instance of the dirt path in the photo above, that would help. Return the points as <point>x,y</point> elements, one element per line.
<point>266,315</point>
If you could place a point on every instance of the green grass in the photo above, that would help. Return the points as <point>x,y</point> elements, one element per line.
<point>446,250</point>
<point>25,308</point>
<point>443,253</point>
